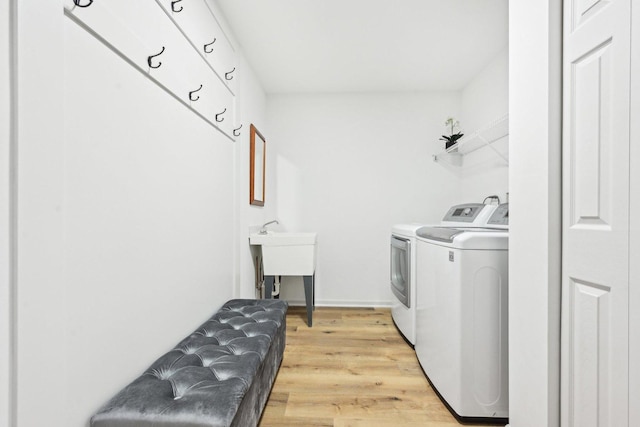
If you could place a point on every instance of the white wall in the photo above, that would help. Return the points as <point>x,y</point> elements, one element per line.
<point>535,203</point>
<point>348,167</point>
<point>6,322</point>
<point>42,353</point>
<point>125,220</point>
<point>484,100</point>
<point>250,109</point>
<point>250,217</point>
<point>486,97</point>
<point>148,214</point>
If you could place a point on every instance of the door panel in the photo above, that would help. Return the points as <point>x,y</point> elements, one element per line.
<point>584,9</point>
<point>595,277</point>
<point>589,308</point>
<point>591,145</point>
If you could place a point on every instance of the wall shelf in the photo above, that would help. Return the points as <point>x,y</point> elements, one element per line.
<point>483,137</point>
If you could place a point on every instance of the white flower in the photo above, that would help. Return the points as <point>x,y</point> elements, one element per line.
<point>452,124</point>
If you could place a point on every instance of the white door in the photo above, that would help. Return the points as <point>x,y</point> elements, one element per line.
<point>595,277</point>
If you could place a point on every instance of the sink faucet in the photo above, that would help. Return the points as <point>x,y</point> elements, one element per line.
<point>263,230</point>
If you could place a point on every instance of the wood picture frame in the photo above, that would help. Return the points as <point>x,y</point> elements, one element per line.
<point>257,163</point>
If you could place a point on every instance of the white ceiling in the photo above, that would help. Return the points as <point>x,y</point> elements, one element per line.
<point>367,45</point>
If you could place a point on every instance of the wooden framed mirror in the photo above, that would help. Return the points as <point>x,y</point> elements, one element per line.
<point>257,162</point>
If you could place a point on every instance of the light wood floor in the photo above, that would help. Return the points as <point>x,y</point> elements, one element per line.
<point>351,369</point>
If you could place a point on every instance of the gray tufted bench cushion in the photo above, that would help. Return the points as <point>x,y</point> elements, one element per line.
<point>220,375</point>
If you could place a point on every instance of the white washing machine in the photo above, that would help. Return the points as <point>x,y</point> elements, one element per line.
<point>403,262</point>
<point>461,316</point>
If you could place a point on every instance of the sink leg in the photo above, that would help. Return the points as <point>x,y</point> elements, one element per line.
<point>268,286</point>
<point>309,296</point>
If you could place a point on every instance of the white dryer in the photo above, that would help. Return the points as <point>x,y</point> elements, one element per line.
<point>403,261</point>
<point>403,277</point>
<point>461,316</point>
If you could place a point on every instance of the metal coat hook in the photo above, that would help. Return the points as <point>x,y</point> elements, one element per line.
<point>194,91</point>
<point>207,45</point>
<point>236,132</point>
<point>153,56</point>
<point>173,6</point>
<point>77,3</point>
<point>219,114</point>
<point>226,75</point>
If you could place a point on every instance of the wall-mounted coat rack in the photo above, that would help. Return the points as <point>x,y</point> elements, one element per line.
<point>198,51</point>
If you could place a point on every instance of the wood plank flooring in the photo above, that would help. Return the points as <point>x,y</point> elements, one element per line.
<point>351,369</point>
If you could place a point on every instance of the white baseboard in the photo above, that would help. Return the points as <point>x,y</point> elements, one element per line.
<point>335,303</point>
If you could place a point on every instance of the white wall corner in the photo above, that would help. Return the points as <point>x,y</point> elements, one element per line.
<point>251,109</point>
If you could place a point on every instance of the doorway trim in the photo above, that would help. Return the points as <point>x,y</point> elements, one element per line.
<point>535,131</point>
<point>8,187</point>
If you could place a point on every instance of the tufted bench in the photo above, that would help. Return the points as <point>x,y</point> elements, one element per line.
<point>220,375</point>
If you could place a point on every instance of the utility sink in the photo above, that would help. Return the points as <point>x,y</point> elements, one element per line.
<point>286,253</point>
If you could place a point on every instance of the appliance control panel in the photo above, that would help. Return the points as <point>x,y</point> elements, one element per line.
<point>500,215</point>
<point>463,213</point>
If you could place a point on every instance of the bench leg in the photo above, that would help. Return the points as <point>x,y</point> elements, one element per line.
<point>268,286</point>
<point>309,296</point>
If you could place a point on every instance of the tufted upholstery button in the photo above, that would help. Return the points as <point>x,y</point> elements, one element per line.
<point>203,380</point>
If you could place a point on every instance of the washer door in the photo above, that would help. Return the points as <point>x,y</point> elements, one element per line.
<point>401,269</point>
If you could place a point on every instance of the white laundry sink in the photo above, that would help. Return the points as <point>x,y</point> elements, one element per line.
<point>286,253</point>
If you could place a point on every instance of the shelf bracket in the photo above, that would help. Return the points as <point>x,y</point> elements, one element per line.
<point>490,145</point>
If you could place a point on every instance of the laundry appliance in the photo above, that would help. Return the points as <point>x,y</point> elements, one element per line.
<point>461,315</point>
<point>403,276</point>
<point>403,261</point>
